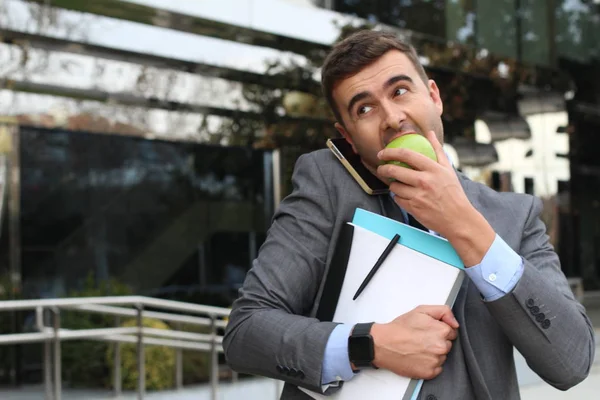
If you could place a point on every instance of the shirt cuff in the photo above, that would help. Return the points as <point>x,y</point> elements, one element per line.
<point>499,271</point>
<point>336,363</point>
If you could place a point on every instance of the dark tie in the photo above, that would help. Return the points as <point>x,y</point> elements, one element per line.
<point>413,222</point>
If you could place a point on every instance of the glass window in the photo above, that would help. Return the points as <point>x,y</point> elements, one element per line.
<point>140,211</point>
<point>372,10</point>
<point>427,17</point>
<point>460,21</point>
<point>594,34</point>
<point>423,16</point>
<point>496,27</point>
<point>535,33</point>
<point>576,26</point>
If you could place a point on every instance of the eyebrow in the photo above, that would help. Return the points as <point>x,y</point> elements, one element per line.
<point>363,95</point>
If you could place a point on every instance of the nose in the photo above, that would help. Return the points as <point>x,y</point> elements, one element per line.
<point>393,116</point>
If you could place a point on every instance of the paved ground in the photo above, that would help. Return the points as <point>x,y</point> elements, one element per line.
<point>532,387</point>
<point>263,389</point>
<point>254,389</point>
<point>588,389</point>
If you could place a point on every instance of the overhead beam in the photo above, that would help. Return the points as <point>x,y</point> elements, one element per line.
<point>534,75</point>
<point>126,99</point>
<point>276,81</point>
<point>187,23</point>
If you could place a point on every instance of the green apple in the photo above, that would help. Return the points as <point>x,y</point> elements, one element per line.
<point>414,142</point>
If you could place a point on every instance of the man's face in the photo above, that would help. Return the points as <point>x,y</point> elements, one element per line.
<point>383,101</point>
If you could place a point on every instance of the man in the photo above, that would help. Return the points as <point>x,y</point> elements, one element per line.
<point>515,294</point>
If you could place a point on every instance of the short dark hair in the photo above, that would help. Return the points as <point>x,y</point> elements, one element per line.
<point>356,52</point>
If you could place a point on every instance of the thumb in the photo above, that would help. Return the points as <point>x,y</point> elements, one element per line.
<point>440,313</point>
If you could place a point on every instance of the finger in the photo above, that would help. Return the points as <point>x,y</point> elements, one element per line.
<point>416,160</point>
<point>442,359</point>
<point>402,190</point>
<point>452,335</point>
<point>436,371</point>
<point>398,173</point>
<point>440,346</point>
<point>447,332</point>
<point>448,346</point>
<point>441,313</point>
<point>438,148</point>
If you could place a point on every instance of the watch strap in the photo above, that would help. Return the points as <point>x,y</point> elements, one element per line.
<point>362,329</point>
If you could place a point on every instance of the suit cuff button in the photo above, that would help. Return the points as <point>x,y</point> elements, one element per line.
<point>546,324</point>
<point>534,310</point>
<point>540,317</point>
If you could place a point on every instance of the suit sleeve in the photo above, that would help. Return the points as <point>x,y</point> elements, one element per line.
<point>541,316</point>
<point>267,333</point>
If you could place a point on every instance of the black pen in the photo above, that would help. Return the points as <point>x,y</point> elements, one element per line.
<point>380,261</point>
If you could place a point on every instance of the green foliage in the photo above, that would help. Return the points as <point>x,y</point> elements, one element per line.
<point>196,364</point>
<point>84,361</point>
<point>159,365</point>
<point>7,292</point>
<point>110,287</point>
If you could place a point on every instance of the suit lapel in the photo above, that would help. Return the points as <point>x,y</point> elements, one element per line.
<point>471,189</point>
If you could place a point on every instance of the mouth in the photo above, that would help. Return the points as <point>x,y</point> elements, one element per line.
<point>396,136</point>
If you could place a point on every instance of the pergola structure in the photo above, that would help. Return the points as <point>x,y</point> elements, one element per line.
<point>486,92</point>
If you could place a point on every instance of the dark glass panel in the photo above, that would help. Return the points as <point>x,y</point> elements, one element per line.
<point>535,33</point>
<point>496,27</point>
<point>427,17</point>
<point>460,21</point>
<point>577,27</point>
<point>136,210</point>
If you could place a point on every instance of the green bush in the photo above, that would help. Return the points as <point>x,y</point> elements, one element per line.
<point>196,364</point>
<point>84,363</point>
<point>7,292</point>
<point>160,361</point>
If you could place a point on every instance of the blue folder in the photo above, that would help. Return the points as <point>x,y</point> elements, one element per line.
<point>427,243</point>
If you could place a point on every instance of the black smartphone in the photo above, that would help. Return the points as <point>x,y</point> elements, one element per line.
<point>351,161</point>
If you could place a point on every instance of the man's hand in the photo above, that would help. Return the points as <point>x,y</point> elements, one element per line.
<point>415,344</point>
<point>432,193</point>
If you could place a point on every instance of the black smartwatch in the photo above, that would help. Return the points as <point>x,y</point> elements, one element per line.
<point>361,349</point>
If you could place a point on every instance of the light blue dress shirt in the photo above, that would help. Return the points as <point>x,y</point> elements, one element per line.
<point>496,275</point>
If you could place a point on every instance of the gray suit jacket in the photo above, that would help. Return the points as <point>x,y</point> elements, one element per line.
<point>272,331</point>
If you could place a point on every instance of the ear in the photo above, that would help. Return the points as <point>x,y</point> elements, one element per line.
<point>434,92</point>
<point>340,128</point>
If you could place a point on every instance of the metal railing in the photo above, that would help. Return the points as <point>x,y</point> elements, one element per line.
<point>125,306</point>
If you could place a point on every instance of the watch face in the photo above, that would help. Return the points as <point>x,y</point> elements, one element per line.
<point>361,349</point>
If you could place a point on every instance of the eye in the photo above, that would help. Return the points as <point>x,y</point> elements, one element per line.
<point>400,91</point>
<point>363,109</point>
